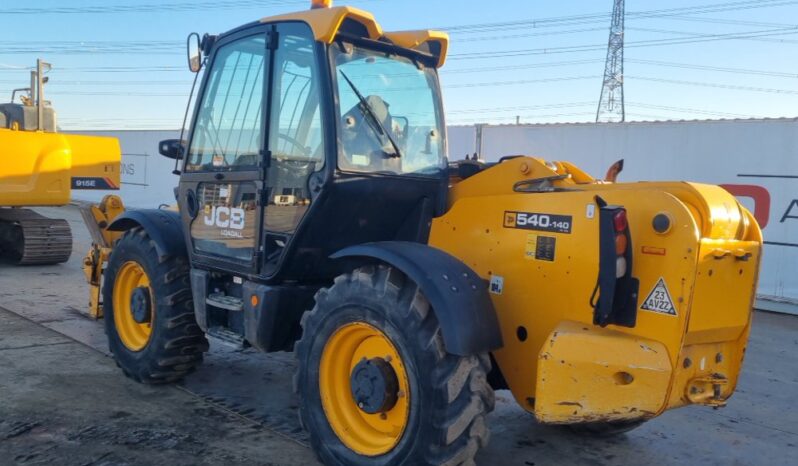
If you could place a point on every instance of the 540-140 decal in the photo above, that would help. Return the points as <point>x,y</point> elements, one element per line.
<point>537,221</point>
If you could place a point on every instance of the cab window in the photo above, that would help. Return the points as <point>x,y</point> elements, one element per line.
<point>390,116</point>
<point>228,132</point>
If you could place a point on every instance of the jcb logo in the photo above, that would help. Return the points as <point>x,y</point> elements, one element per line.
<point>509,219</point>
<point>225,217</point>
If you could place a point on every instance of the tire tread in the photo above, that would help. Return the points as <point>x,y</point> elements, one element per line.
<point>462,395</point>
<point>179,343</point>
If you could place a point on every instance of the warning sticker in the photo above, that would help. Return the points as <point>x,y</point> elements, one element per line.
<point>540,247</point>
<point>496,284</point>
<point>659,300</point>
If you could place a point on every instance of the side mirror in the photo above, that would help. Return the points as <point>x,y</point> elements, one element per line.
<point>194,52</point>
<point>172,148</point>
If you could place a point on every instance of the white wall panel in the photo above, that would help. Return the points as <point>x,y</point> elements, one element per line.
<point>147,179</point>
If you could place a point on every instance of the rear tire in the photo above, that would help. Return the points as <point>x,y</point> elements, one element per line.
<point>171,345</point>
<point>449,396</point>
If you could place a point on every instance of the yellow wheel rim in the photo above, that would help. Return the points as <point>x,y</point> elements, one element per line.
<point>365,434</point>
<point>134,335</point>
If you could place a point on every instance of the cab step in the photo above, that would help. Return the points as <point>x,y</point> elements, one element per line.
<point>222,301</point>
<point>227,337</point>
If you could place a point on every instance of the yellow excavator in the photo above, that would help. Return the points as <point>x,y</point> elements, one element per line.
<point>40,168</point>
<point>410,288</point>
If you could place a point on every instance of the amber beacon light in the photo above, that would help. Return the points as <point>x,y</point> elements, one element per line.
<point>320,4</point>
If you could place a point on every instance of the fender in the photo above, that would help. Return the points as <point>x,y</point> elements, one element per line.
<point>458,296</point>
<point>163,226</point>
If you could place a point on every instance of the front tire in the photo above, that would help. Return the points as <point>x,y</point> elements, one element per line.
<point>149,313</point>
<point>376,321</point>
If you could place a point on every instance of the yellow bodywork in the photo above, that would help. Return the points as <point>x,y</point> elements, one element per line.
<point>556,362</point>
<point>40,169</point>
<point>326,22</point>
<point>97,218</point>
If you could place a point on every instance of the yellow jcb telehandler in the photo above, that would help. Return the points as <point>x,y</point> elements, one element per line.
<point>409,288</point>
<point>41,167</point>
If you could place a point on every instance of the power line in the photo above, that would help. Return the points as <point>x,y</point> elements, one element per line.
<point>151,7</point>
<point>523,117</point>
<point>778,74</point>
<point>107,69</point>
<point>793,29</point>
<point>789,27</point>
<point>530,34</point>
<point>691,110</point>
<point>715,85</point>
<point>57,83</point>
<point>591,103</point>
<point>734,22</point>
<point>594,47</point>
<point>604,16</point>
<point>524,107</point>
<point>648,117</point>
<point>517,82</point>
<point>483,69</point>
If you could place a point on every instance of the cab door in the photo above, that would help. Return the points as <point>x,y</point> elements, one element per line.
<point>225,162</point>
<point>296,138</point>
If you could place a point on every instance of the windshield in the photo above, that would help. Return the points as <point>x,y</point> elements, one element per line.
<point>390,119</point>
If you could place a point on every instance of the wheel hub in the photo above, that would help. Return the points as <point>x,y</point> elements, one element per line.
<point>364,389</point>
<point>375,387</point>
<point>140,306</point>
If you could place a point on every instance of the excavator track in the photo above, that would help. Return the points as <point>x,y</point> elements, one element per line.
<point>28,238</point>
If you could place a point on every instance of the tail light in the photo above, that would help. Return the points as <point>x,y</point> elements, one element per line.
<point>621,243</point>
<point>619,221</point>
<point>614,298</point>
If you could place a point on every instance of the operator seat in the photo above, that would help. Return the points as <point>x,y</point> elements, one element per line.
<point>362,147</point>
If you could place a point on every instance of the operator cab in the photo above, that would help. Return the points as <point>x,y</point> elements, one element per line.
<point>311,132</point>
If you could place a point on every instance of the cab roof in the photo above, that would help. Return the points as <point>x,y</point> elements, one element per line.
<point>326,23</point>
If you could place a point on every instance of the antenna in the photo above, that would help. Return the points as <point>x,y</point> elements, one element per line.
<point>611,105</point>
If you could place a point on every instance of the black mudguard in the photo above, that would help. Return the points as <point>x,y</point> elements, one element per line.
<point>458,296</point>
<point>163,226</point>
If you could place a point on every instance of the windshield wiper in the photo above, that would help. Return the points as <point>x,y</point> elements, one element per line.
<point>369,113</point>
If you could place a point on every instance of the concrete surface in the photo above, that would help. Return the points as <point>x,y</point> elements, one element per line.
<point>64,403</point>
<point>760,425</point>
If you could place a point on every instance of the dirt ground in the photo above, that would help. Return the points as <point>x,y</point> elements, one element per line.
<point>62,400</point>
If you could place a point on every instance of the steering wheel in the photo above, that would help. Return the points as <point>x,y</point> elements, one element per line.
<point>302,149</point>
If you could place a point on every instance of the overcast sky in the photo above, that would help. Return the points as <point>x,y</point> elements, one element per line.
<point>121,63</point>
